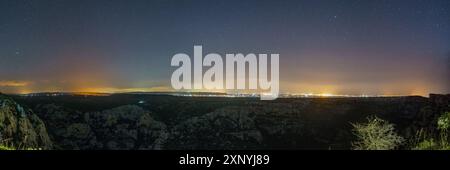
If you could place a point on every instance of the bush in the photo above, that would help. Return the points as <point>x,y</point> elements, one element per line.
<point>376,134</point>
<point>444,122</point>
<point>430,143</point>
<point>6,148</point>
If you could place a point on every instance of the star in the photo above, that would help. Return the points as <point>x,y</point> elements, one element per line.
<point>332,18</point>
<point>17,52</point>
<point>438,25</point>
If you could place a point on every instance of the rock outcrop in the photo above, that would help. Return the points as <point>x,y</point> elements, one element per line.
<point>229,128</point>
<point>20,128</point>
<point>126,127</point>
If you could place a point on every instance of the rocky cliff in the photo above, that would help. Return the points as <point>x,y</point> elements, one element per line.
<point>125,127</point>
<point>20,128</point>
<point>323,123</point>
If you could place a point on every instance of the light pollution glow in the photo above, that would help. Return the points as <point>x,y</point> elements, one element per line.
<point>328,47</point>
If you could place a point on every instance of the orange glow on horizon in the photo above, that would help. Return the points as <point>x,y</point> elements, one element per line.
<point>14,83</point>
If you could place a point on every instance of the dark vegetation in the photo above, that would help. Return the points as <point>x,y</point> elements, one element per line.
<point>140,121</point>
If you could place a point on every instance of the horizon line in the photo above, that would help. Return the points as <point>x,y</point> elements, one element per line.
<point>282,95</point>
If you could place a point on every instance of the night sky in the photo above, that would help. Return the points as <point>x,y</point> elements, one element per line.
<point>385,47</point>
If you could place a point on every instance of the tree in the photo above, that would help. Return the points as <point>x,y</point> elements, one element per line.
<point>376,134</point>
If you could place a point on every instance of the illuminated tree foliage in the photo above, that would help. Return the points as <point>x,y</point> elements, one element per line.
<point>376,134</point>
<point>440,142</point>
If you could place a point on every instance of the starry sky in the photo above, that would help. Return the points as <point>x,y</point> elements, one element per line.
<point>375,47</point>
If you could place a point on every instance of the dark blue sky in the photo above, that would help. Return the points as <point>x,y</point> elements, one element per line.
<point>325,46</point>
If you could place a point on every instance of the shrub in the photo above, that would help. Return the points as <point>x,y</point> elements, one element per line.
<point>430,143</point>
<point>444,122</point>
<point>3,147</point>
<point>376,134</point>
